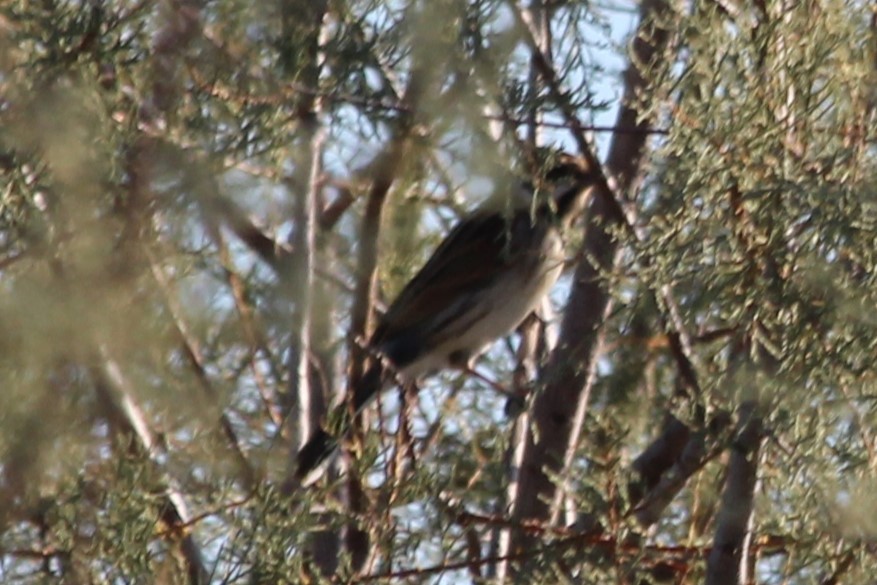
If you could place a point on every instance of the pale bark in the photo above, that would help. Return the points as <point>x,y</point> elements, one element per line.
<point>132,429</point>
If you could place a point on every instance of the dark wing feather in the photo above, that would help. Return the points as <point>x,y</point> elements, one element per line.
<point>467,261</point>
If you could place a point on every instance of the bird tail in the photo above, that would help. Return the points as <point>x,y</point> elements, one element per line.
<point>371,383</point>
<point>318,449</point>
<point>322,444</point>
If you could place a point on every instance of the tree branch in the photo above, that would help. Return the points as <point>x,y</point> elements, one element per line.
<point>571,368</point>
<point>727,561</point>
<point>125,415</point>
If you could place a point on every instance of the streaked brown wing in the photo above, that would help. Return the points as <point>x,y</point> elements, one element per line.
<point>468,260</point>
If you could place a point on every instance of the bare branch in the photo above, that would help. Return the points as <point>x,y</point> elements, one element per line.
<point>659,457</point>
<point>196,362</point>
<point>588,304</point>
<point>728,559</point>
<point>128,419</point>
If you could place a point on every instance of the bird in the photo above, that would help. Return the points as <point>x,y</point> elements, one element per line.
<point>487,275</point>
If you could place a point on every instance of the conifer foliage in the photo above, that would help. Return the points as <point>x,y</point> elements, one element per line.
<point>206,206</point>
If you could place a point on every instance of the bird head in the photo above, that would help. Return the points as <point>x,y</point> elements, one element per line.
<point>567,180</point>
<point>559,183</point>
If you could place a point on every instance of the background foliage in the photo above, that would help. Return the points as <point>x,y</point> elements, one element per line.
<point>194,196</point>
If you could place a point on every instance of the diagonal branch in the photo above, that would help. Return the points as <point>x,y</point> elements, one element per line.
<point>728,560</point>
<point>125,415</point>
<point>623,162</point>
<point>571,369</point>
<point>196,362</point>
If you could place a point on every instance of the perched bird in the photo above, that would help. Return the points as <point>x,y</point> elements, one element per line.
<point>487,275</point>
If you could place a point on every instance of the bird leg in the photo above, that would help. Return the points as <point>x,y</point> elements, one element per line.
<point>463,361</point>
<point>467,369</point>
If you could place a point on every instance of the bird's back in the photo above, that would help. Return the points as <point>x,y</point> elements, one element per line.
<point>483,280</point>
